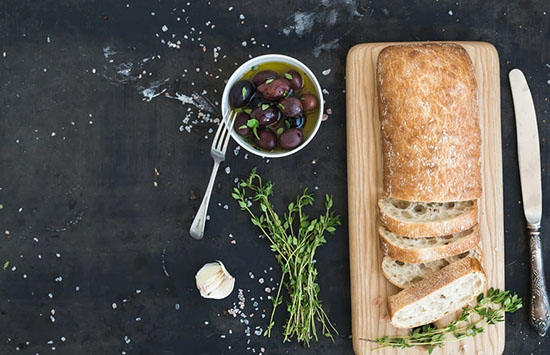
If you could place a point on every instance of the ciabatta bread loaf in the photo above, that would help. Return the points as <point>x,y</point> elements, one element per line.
<point>427,101</point>
<point>445,292</point>
<point>426,219</point>
<point>423,250</point>
<point>403,274</point>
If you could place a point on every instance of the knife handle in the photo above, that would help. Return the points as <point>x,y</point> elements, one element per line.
<point>540,309</point>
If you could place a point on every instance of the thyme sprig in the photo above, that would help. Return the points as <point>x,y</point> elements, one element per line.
<point>490,309</point>
<point>294,238</point>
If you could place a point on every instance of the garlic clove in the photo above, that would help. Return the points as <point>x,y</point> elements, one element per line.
<point>214,281</point>
<point>209,277</point>
<point>223,290</point>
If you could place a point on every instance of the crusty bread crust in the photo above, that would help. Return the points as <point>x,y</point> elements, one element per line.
<point>443,277</point>
<point>478,255</point>
<point>429,229</point>
<point>427,100</point>
<point>424,255</point>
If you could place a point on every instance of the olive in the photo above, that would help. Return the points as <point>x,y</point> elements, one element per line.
<point>256,100</point>
<point>240,93</point>
<point>267,139</point>
<point>295,79</point>
<point>291,138</point>
<point>297,122</point>
<point>241,121</point>
<point>290,107</point>
<point>261,76</point>
<point>309,102</point>
<point>274,90</point>
<point>267,116</point>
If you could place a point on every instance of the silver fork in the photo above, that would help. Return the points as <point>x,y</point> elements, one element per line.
<point>219,147</point>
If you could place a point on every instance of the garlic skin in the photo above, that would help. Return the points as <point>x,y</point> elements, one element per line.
<point>214,281</point>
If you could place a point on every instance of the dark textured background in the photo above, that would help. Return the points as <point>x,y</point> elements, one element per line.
<point>86,192</point>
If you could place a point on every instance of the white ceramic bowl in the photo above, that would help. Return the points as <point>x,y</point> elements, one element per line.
<point>267,59</point>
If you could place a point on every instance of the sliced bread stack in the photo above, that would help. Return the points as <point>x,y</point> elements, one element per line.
<point>429,233</point>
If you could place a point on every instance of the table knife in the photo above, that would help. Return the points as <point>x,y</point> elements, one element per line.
<point>531,191</point>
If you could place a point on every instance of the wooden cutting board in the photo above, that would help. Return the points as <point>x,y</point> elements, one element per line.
<point>369,288</point>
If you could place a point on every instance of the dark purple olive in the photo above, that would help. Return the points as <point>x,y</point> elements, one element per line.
<point>261,77</point>
<point>290,107</point>
<point>268,139</point>
<point>295,79</point>
<point>240,93</point>
<point>309,102</point>
<point>274,90</point>
<point>267,116</point>
<point>297,122</point>
<point>256,100</point>
<point>291,138</point>
<point>241,121</point>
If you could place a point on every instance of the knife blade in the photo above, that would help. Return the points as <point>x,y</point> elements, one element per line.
<point>531,191</point>
<point>528,147</point>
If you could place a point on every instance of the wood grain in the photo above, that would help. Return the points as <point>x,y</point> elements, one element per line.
<point>369,288</point>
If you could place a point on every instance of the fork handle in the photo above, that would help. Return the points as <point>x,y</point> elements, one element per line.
<point>540,309</point>
<point>197,227</point>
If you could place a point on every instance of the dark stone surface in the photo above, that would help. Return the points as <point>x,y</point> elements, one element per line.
<point>87,195</point>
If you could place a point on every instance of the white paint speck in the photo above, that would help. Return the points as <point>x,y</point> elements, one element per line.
<point>450,12</point>
<point>127,340</point>
<point>77,288</point>
<point>164,28</point>
<point>114,305</point>
<point>53,134</point>
<point>63,339</point>
<point>94,71</point>
<point>326,71</point>
<point>228,170</point>
<point>48,39</point>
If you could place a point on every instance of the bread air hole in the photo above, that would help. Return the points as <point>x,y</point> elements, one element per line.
<point>420,209</point>
<point>406,214</point>
<point>416,279</point>
<point>448,205</point>
<point>400,263</point>
<point>400,204</point>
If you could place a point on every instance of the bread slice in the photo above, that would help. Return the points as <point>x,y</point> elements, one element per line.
<point>426,219</point>
<point>403,275</point>
<point>429,118</point>
<point>445,292</point>
<point>423,250</point>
